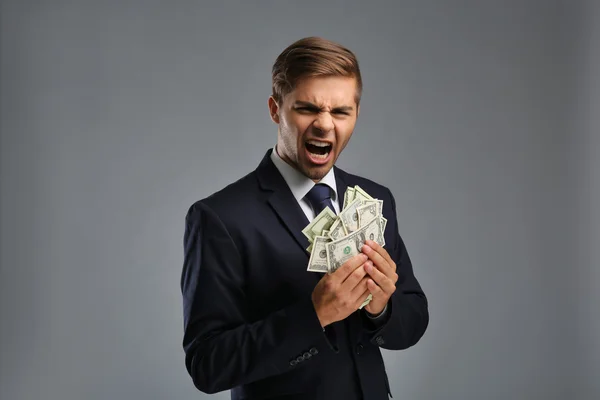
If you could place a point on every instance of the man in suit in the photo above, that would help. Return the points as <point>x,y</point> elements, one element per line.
<point>255,320</point>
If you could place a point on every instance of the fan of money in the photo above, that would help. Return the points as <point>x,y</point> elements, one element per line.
<point>336,238</point>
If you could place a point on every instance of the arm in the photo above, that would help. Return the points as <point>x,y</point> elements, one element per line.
<point>223,349</point>
<point>406,317</point>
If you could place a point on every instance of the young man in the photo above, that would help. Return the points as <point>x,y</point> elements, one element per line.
<point>255,320</point>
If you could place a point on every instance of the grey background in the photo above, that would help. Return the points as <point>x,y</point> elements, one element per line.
<point>481,116</point>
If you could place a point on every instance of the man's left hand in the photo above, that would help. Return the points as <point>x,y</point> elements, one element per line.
<point>382,270</point>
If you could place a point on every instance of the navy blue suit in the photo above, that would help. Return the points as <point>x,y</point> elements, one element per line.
<point>249,321</point>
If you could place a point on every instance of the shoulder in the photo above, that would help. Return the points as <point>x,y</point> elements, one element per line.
<point>230,200</point>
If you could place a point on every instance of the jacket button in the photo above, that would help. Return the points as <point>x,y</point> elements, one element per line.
<point>299,359</point>
<point>293,363</point>
<point>306,355</point>
<point>379,340</point>
<point>314,351</point>
<point>359,348</point>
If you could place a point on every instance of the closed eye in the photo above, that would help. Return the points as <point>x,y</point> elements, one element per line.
<point>307,109</point>
<point>315,110</point>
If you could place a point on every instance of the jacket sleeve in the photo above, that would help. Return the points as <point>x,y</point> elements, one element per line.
<point>407,314</point>
<point>223,349</point>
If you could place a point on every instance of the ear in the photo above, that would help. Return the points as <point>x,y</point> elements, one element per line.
<point>273,110</point>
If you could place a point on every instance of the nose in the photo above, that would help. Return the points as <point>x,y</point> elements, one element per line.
<point>324,122</point>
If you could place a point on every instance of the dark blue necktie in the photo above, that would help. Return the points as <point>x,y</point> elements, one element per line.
<point>319,197</point>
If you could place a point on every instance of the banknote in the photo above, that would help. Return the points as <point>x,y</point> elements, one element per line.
<point>321,222</point>
<point>367,301</point>
<point>348,197</point>
<point>367,213</point>
<point>318,256</point>
<point>379,204</point>
<point>359,193</point>
<point>349,216</point>
<point>335,238</point>
<point>339,251</point>
<point>324,233</point>
<point>337,230</point>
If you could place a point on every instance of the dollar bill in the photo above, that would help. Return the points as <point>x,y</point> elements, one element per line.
<point>367,213</point>
<point>322,222</point>
<point>348,197</point>
<point>367,301</point>
<point>337,230</point>
<point>334,239</point>
<point>318,256</point>
<point>349,216</point>
<point>339,251</point>
<point>378,202</point>
<point>324,233</point>
<point>360,193</point>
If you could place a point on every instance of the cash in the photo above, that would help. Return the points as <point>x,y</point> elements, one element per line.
<point>349,216</point>
<point>336,238</point>
<point>367,213</point>
<point>360,219</point>
<point>341,250</point>
<point>318,255</point>
<point>322,222</point>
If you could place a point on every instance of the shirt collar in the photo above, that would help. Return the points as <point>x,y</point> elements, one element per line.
<point>299,183</point>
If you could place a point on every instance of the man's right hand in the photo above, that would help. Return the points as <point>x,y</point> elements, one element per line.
<point>339,294</point>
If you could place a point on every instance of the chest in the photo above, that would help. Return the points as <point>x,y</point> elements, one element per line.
<point>275,264</point>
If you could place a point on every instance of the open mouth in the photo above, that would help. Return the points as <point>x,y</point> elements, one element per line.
<point>318,150</point>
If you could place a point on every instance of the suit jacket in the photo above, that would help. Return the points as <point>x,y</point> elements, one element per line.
<point>249,321</point>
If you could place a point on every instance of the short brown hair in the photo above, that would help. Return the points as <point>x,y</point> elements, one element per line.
<point>313,57</point>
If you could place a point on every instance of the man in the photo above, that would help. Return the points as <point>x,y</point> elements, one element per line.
<point>255,320</point>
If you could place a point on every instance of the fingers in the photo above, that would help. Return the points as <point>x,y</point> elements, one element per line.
<point>381,262</point>
<point>383,281</point>
<point>382,252</point>
<point>354,279</point>
<point>349,267</point>
<point>375,257</point>
<point>375,290</point>
<point>360,287</point>
<point>360,299</point>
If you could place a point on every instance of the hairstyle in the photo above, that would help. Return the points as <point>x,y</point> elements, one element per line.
<point>313,57</point>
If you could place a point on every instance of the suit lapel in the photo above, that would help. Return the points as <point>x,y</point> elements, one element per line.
<point>290,213</point>
<point>282,200</point>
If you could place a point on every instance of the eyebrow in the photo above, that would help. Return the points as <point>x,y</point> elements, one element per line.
<point>315,107</point>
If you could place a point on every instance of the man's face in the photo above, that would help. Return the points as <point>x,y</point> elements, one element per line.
<point>315,122</point>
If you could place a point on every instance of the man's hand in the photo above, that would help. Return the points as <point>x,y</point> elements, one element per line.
<point>339,294</point>
<point>382,273</point>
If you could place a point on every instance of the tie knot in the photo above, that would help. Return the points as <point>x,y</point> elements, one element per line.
<point>320,192</point>
<point>319,197</point>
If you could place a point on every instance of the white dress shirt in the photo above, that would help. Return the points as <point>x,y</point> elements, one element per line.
<point>300,185</point>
